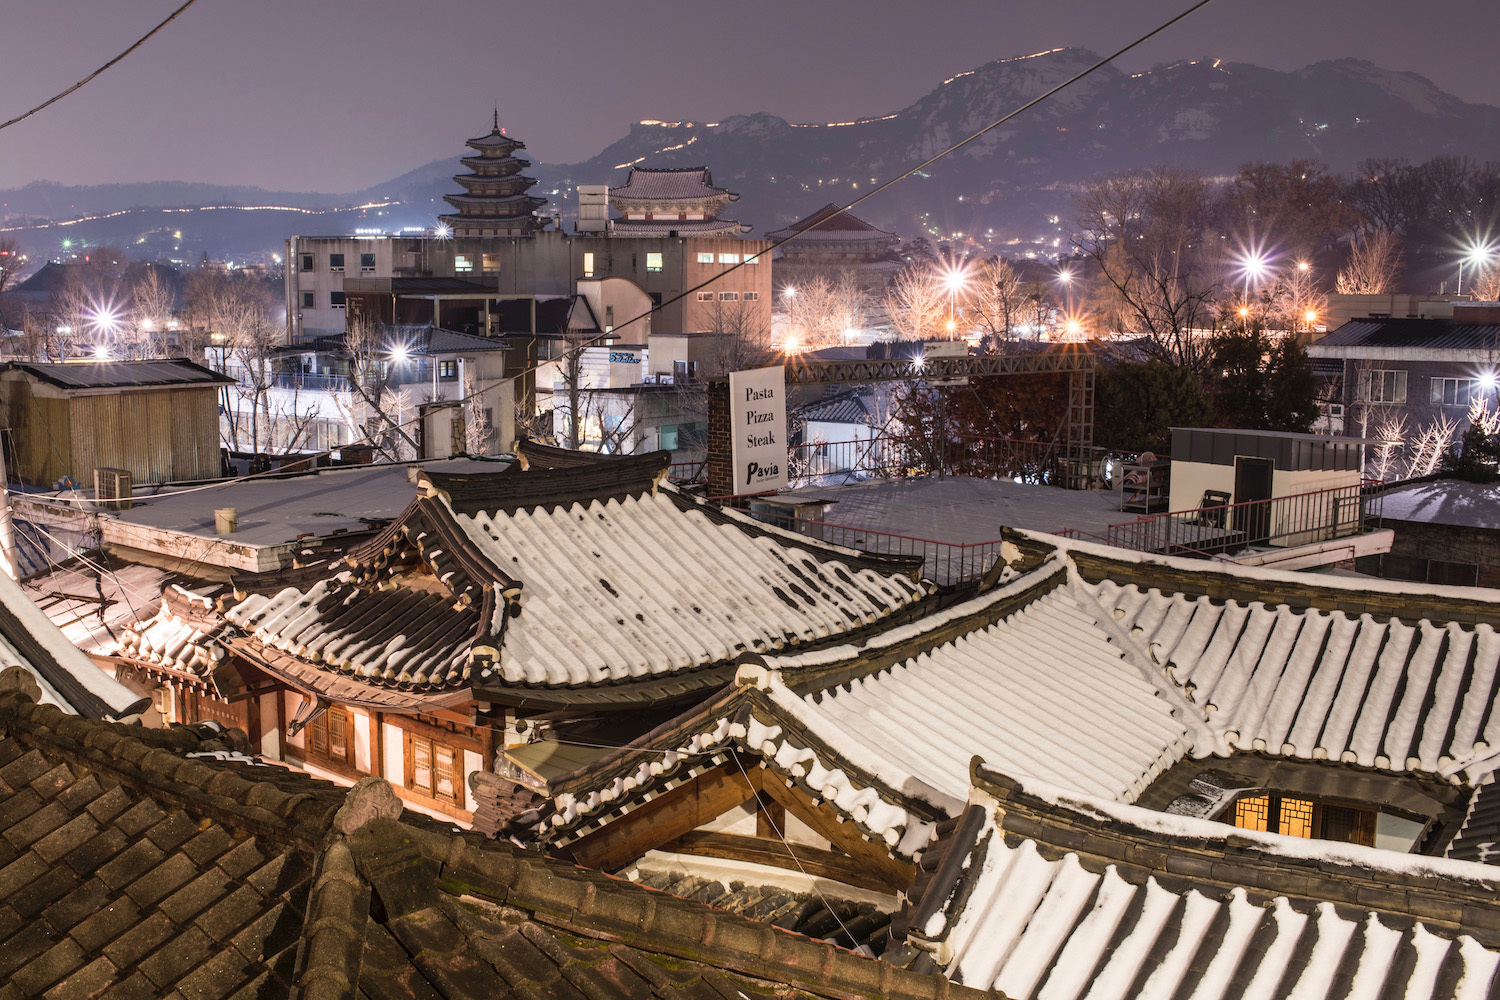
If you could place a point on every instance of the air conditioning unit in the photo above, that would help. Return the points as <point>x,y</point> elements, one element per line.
<point>112,488</point>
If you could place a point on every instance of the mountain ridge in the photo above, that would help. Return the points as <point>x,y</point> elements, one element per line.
<point>1203,114</point>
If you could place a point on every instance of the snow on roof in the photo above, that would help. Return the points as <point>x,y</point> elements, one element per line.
<point>1323,685</point>
<point>1032,922</point>
<point>1444,501</point>
<point>68,678</point>
<point>641,586</point>
<point>1041,693</point>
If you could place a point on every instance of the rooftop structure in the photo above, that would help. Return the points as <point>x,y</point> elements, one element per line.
<point>679,201</point>
<point>834,236</point>
<point>169,862</point>
<point>495,201</point>
<point>1179,763</point>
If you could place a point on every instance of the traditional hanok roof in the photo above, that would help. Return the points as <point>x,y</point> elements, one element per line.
<point>168,863</point>
<point>66,676</point>
<point>577,584</point>
<point>81,375</point>
<point>1063,676</point>
<point>656,184</point>
<point>830,224</point>
<point>1039,894</point>
<point>1479,837</point>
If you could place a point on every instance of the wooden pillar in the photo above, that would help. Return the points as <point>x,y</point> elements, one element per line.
<point>377,745</point>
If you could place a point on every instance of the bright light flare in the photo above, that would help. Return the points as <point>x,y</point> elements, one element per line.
<point>399,354</point>
<point>950,326</point>
<point>789,292</point>
<point>1074,328</point>
<point>1303,265</point>
<point>1311,316</point>
<point>1488,380</point>
<point>1244,311</point>
<point>955,279</point>
<point>443,231</point>
<point>104,319</point>
<point>101,353</point>
<point>791,346</point>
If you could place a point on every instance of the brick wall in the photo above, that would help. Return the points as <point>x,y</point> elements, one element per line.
<point>720,469</point>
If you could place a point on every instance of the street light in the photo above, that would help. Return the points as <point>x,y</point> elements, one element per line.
<point>789,292</point>
<point>1475,255</point>
<point>954,279</point>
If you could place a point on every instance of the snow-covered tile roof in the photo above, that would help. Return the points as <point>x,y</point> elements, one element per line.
<point>1041,693</point>
<point>1324,685</point>
<point>638,586</point>
<point>1018,915</point>
<point>65,674</point>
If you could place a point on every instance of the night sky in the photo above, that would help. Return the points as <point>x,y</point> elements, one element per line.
<point>334,95</point>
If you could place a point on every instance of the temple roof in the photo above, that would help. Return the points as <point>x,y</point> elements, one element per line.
<point>683,227</point>
<point>665,184</point>
<point>828,223</point>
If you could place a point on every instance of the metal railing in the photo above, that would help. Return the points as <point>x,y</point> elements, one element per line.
<point>1299,519</point>
<point>688,472</point>
<point>968,455</point>
<point>947,564</point>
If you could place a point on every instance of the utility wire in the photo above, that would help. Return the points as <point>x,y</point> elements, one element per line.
<point>655,308</point>
<point>141,41</point>
<point>658,307</point>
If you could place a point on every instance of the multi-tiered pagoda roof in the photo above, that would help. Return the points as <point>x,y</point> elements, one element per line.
<point>494,201</point>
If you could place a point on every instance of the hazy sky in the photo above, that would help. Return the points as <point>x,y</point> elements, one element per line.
<point>334,95</point>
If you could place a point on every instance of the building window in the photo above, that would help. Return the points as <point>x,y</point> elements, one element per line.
<point>434,769</point>
<point>588,264</point>
<point>1456,391</point>
<point>490,262</point>
<point>653,261</point>
<point>448,370</point>
<point>666,437</point>
<point>729,296</point>
<point>729,258</point>
<point>705,296</point>
<point>684,370</point>
<point>367,262</point>
<point>1382,386</point>
<point>307,262</point>
<point>752,258</point>
<point>335,300</point>
<point>463,262</point>
<point>705,258</point>
<point>330,737</point>
<point>335,262</point>
<point>1296,817</point>
<point>751,296</point>
<point>307,300</point>
<point>609,319</point>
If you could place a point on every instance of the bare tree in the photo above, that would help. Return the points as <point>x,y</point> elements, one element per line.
<point>915,303</point>
<point>824,311</point>
<point>1374,262</point>
<point>743,339</point>
<point>375,408</point>
<point>10,262</point>
<point>1487,284</point>
<point>995,299</point>
<point>152,301</point>
<point>1150,233</point>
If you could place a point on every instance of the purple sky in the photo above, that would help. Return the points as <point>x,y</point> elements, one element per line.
<point>334,95</point>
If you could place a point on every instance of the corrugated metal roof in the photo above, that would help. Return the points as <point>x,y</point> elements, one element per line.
<point>121,374</point>
<point>1430,334</point>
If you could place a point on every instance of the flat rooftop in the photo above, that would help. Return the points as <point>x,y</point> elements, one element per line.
<point>1445,501</point>
<point>962,511</point>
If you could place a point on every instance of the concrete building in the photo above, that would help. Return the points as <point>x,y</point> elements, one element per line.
<point>325,271</point>
<point>1425,370</point>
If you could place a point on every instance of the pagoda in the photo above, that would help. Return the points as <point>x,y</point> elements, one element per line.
<point>678,202</point>
<point>494,201</point>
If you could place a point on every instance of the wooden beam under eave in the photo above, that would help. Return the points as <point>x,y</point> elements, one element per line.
<point>874,855</point>
<point>776,853</point>
<point>664,819</point>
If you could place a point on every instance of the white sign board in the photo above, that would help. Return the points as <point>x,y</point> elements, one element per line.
<point>757,429</point>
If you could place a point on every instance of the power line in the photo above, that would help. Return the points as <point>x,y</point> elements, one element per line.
<point>139,42</point>
<point>366,437</point>
<point>658,307</point>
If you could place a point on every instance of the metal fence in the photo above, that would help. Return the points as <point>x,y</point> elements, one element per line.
<point>893,457</point>
<point>945,563</point>
<point>1300,519</point>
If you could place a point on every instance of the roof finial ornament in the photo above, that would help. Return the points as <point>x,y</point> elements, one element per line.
<point>497,118</point>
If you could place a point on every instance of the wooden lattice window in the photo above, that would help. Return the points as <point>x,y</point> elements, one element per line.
<point>330,737</point>
<point>435,769</point>
<point>1297,817</point>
